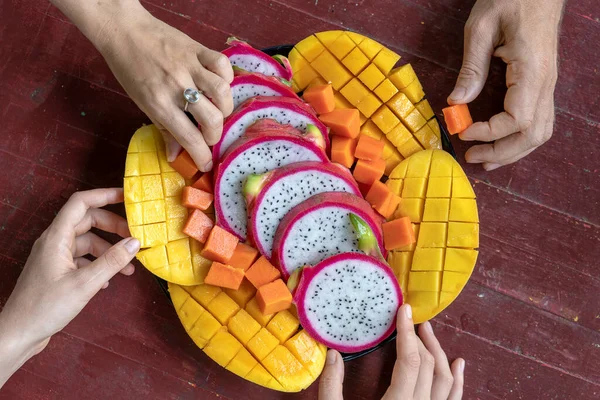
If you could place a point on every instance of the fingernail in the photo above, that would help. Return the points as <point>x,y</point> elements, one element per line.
<point>331,357</point>
<point>208,166</point>
<point>491,167</point>
<point>408,310</point>
<point>428,327</point>
<point>458,93</point>
<point>132,245</point>
<point>462,365</point>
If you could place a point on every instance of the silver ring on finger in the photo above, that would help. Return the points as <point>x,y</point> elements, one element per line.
<point>191,96</point>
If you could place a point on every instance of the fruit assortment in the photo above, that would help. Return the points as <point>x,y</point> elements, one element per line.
<point>297,242</point>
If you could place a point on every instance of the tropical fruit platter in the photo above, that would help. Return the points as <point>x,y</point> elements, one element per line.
<point>331,203</point>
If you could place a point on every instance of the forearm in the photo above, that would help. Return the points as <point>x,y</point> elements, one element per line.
<point>14,352</point>
<point>101,21</point>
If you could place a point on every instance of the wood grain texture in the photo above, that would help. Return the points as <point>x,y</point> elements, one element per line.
<point>528,323</point>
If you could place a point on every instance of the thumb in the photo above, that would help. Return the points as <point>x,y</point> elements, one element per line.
<point>332,377</point>
<point>96,274</point>
<point>479,47</point>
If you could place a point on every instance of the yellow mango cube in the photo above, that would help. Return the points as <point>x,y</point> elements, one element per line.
<point>146,141</point>
<point>371,130</point>
<point>328,37</point>
<point>418,166</point>
<point>178,250</point>
<point>385,119</point>
<point>435,128</point>
<point>414,120</point>
<point>461,187</point>
<point>132,187</point>
<point>453,281</point>
<point>153,211</point>
<point>414,91</point>
<point>410,147</point>
<point>242,363</point>
<point>411,208</point>
<point>204,329</point>
<point>460,260</point>
<point>414,187</point>
<point>355,61</point>
<point>155,234</point>
<point>441,164</point>
<point>368,105</point>
<point>133,147</point>
<point>204,294</point>
<point>297,61</point>
<point>151,187</point>
<point>175,229</point>
<point>463,210</point>
<point>331,70</point>
<point>243,326</point>
<point>386,90</point>
<point>262,344</point>
<point>138,233</point>
<point>174,208</point>
<point>252,308</point>
<point>287,369</point>
<point>189,313</point>
<point>400,105</point>
<point>392,161</point>
<point>436,210</point>
<point>148,163</point>
<point>173,184</point>
<point>402,76</point>
<point>425,109</point>
<point>400,262</point>
<point>340,101</point>
<point>395,186</point>
<point>371,76</point>
<point>424,304</point>
<point>305,76</point>
<point>200,265</point>
<point>341,46</point>
<point>427,138</point>
<point>439,186</point>
<point>432,234</point>
<point>424,281</point>
<point>310,48</point>
<point>370,47</point>
<point>447,297</point>
<point>260,376</point>
<point>283,325</point>
<point>132,165</point>
<point>154,257</point>
<point>222,347</point>
<point>428,259</point>
<point>463,234</point>
<point>222,308</point>
<point>385,60</point>
<point>243,294</point>
<point>356,37</point>
<point>354,92</point>
<point>306,350</point>
<point>135,214</point>
<point>400,171</point>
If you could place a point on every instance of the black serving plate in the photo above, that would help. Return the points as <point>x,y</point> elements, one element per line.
<point>446,145</point>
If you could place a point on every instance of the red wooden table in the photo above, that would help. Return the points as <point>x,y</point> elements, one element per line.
<point>528,322</point>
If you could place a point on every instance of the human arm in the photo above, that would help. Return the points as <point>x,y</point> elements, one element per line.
<point>155,63</point>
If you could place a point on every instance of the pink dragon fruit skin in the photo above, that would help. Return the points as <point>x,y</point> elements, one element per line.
<point>345,292</point>
<point>246,85</point>
<point>282,109</point>
<point>270,196</point>
<point>246,57</point>
<point>320,227</point>
<point>266,145</point>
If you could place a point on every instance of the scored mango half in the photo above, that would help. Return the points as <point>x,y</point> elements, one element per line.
<point>440,202</point>
<point>361,71</point>
<point>269,350</point>
<point>155,214</point>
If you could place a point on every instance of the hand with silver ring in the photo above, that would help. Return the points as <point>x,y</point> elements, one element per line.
<point>155,63</point>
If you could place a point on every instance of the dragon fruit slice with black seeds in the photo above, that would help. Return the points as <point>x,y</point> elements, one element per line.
<point>272,195</point>
<point>348,301</point>
<point>284,110</point>
<point>266,145</point>
<point>321,227</point>
<point>246,85</point>
<point>246,57</point>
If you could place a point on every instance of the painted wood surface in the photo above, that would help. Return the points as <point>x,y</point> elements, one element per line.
<point>528,322</point>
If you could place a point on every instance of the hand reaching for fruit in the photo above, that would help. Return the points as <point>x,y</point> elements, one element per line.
<point>57,280</point>
<point>155,63</point>
<point>525,35</point>
<point>421,370</point>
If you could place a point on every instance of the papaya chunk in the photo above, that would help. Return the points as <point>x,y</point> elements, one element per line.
<point>343,122</point>
<point>224,276</point>
<point>458,118</point>
<point>320,97</point>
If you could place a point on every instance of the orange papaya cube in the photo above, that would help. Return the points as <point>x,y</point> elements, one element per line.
<point>398,233</point>
<point>342,150</point>
<point>184,165</point>
<point>369,172</point>
<point>390,208</point>
<point>343,122</point>
<point>320,97</point>
<point>273,297</point>
<point>458,118</point>
<point>378,196</point>
<point>262,272</point>
<point>224,276</point>
<point>368,148</point>
<point>196,198</point>
<point>205,182</point>
<point>219,245</point>
<point>243,256</point>
<point>198,226</point>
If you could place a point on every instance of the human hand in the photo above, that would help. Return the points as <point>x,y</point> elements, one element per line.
<point>57,281</point>
<point>155,63</point>
<point>524,33</point>
<point>421,370</point>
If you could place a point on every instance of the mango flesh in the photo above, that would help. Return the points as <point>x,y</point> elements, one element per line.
<point>439,199</point>
<point>155,215</point>
<point>280,355</point>
<point>362,74</point>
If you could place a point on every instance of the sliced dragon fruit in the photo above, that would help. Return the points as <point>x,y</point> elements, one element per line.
<point>348,301</point>
<point>283,110</point>
<point>246,85</point>
<point>266,145</point>
<point>320,227</point>
<point>246,57</point>
<point>272,195</point>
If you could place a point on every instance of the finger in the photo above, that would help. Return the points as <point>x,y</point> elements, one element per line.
<point>172,145</point>
<point>209,118</point>
<point>216,62</point>
<point>332,377</point>
<point>103,220</point>
<point>105,285</point>
<point>408,360</point>
<point>458,372</point>
<point>478,49</point>
<point>93,277</point>
<point>81,262</point>
<point>216,89</point>
<point>90,243</point>
<point>500,150</point>
<point>188,135</point>
<point>425,379</point>
<point>443,380</point>
<point>493,166</point>
<point>79,203</point>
